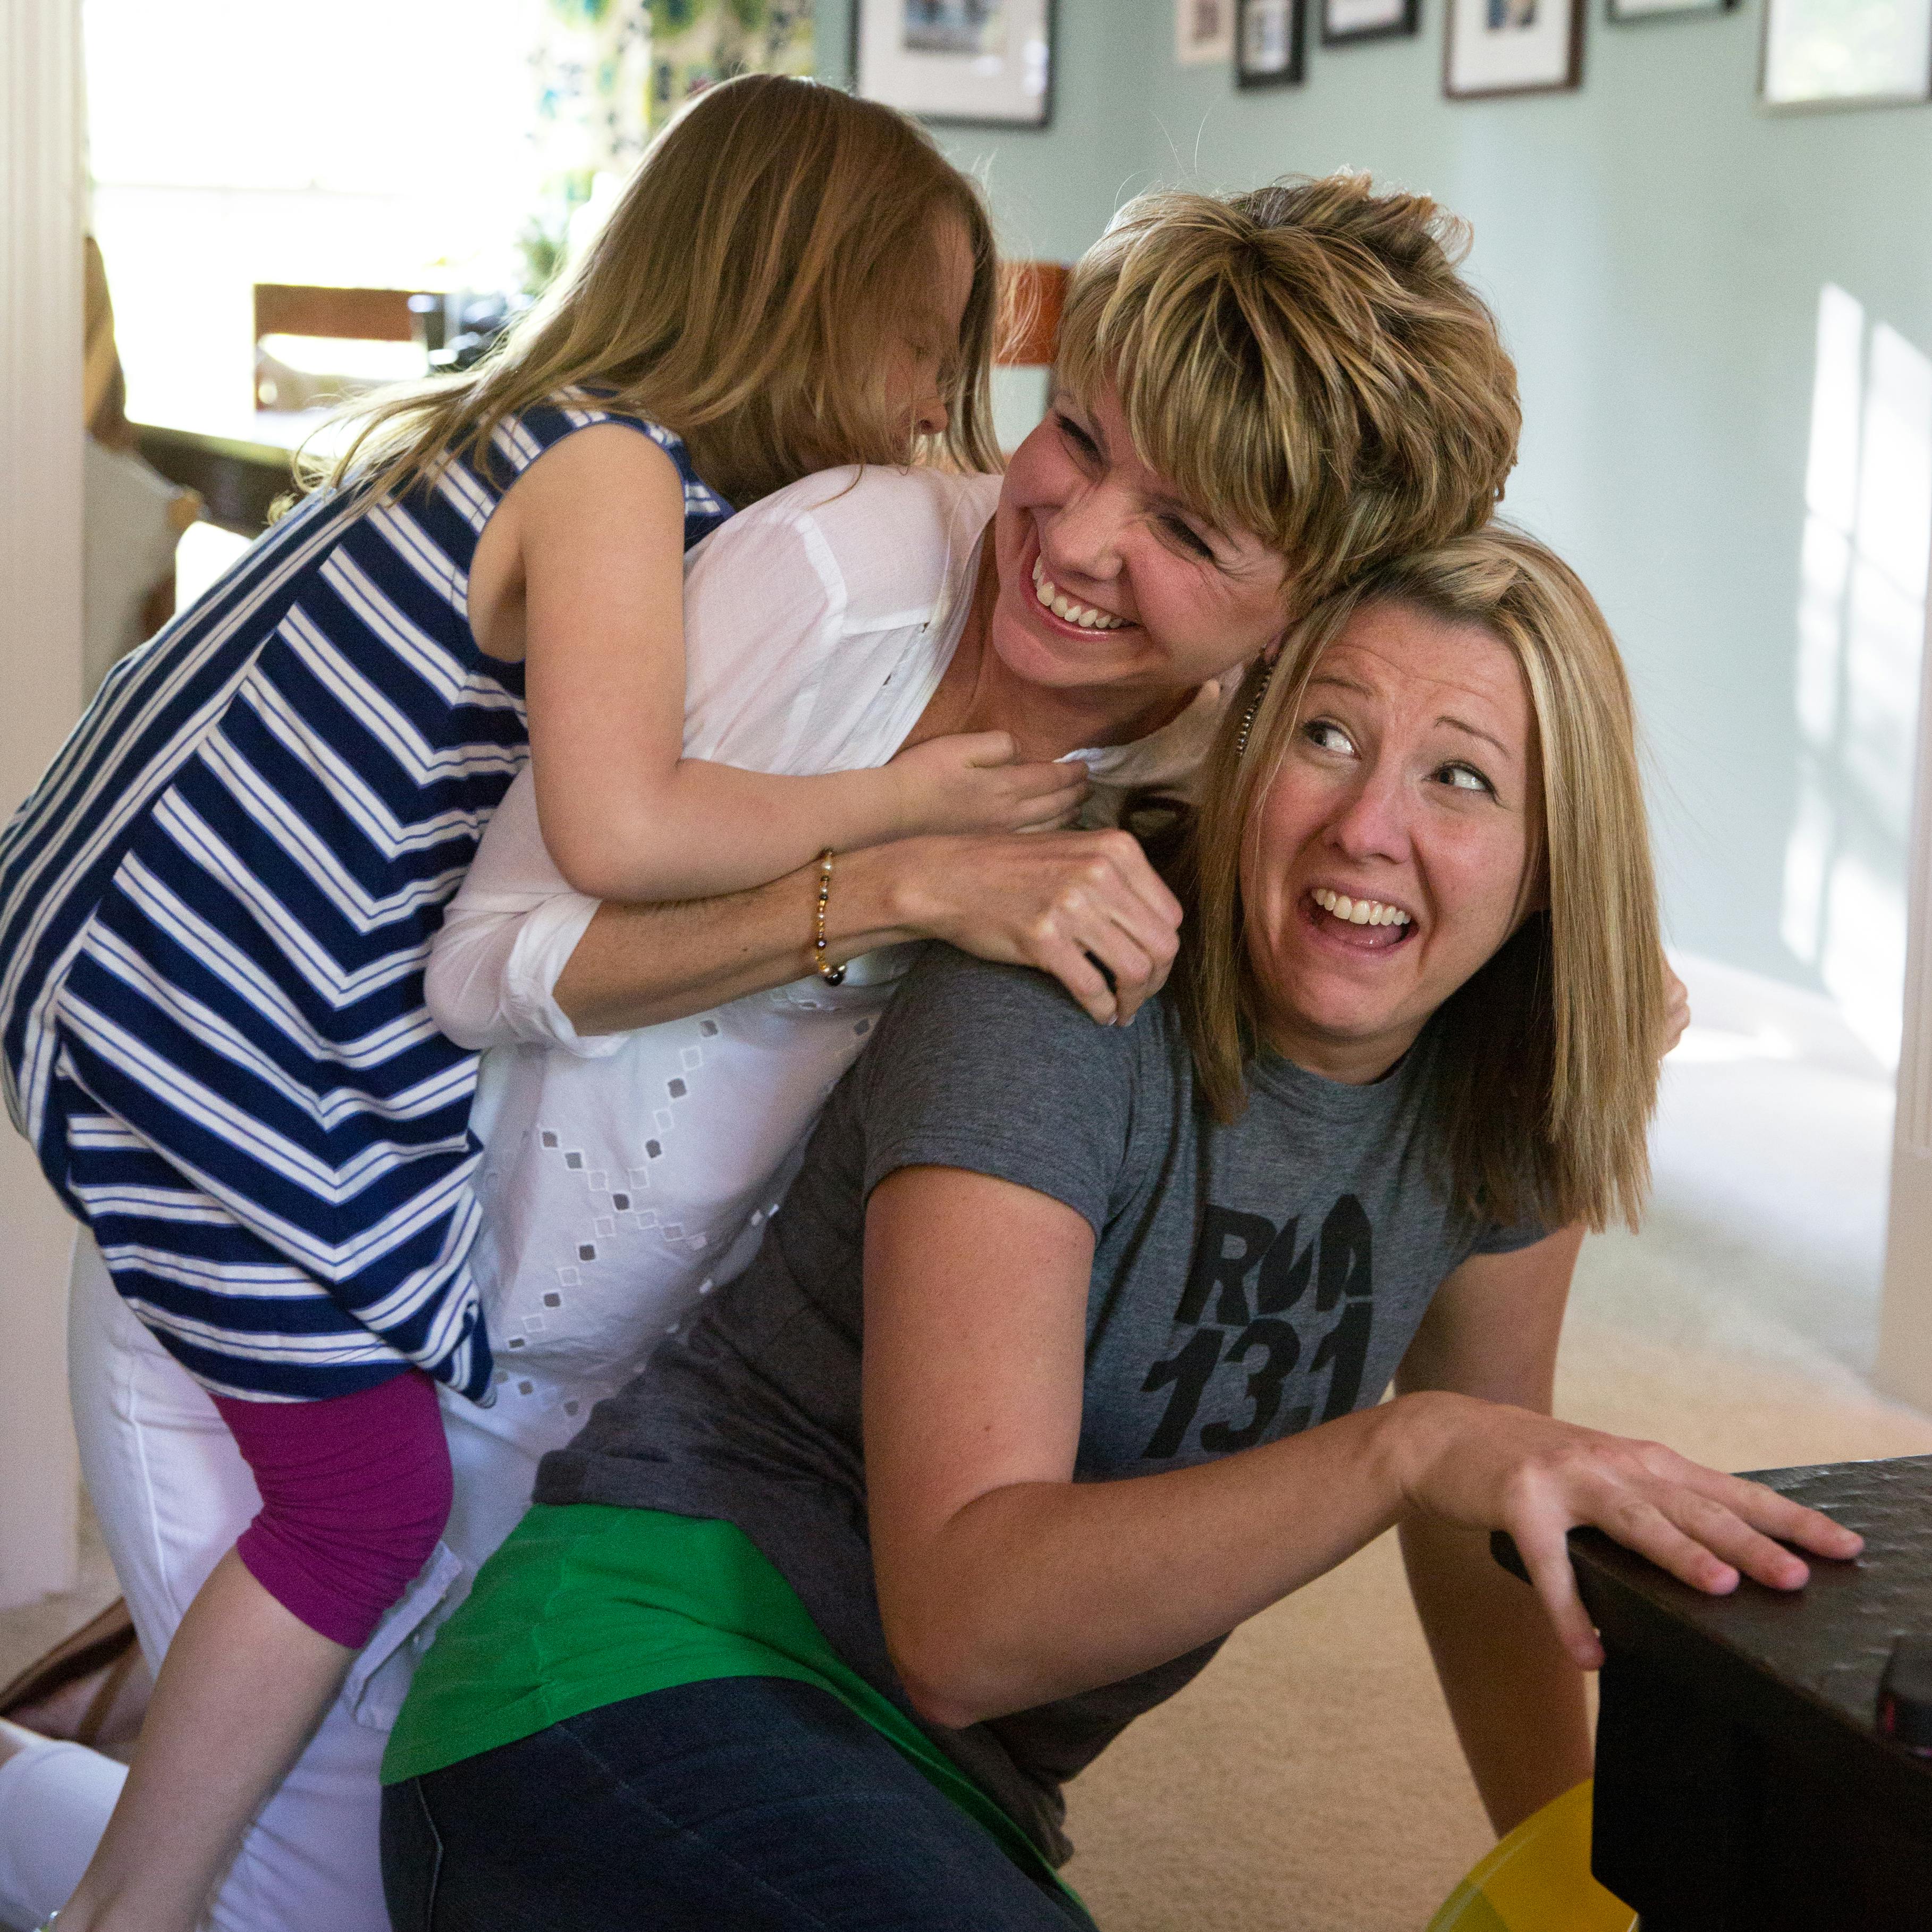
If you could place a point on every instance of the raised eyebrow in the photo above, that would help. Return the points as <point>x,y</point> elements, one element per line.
<point>1476,731</point>
<point>1341,683</point>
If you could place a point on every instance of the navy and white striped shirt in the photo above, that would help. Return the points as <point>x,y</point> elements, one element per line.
<point>214,910</point>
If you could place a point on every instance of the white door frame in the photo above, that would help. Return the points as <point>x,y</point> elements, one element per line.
<point>41,432</point>
<point>1905,1315</point>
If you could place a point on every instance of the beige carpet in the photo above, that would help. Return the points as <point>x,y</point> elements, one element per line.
<point>1309,1781</point>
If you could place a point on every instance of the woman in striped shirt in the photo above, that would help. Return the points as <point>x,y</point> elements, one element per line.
<point>215,908</point>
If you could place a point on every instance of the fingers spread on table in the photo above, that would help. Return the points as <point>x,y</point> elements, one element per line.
<point>1545,1550</point>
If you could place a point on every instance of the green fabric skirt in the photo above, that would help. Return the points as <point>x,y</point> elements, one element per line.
<point>588,1605</point>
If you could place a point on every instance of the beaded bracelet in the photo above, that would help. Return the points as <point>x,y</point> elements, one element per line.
<point>832,976</point>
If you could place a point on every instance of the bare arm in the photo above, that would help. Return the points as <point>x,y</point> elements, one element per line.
<point>598,522</point>
<point>1516,1698</point>
<point>1058,901</point>
<point>1004,1584</point>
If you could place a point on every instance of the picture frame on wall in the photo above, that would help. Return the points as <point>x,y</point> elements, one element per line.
<point>1204,32</point>
<point>1493,47</point>
<point>967,63</point>
<point>1270,42</point>
<point>1845,53</point>
<point>1344,23</point>
<point>1623,12</point>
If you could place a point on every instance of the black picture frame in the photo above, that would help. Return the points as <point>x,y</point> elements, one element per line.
<point>919,101</point>
<point>1408,25</point>
<point>1249,16</point>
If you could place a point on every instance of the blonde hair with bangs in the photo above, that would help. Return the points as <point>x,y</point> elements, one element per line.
<point>1304,362</point>
<point>748,291</point>
<point>1545,1058</point>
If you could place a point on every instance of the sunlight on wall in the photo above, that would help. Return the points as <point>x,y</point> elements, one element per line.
<point>1861,634</point>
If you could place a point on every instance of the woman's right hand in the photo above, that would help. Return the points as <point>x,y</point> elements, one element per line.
<point>1084,906</point>
<point>972,782</point>
<point>1479,1465</point>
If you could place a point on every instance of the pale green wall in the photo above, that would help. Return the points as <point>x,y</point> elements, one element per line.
<point>1654,245</point>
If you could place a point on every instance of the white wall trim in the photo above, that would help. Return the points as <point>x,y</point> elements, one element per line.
<point>1904,1367</point>
<point>41,507</point>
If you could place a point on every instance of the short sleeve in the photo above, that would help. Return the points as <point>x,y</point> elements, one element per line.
<point>995,1070</point>
<point>1496,1239</point>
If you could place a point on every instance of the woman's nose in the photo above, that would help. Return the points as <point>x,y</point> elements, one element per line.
<point>1081,536</point>
<point>932,416</point>
<point>1373,821</point>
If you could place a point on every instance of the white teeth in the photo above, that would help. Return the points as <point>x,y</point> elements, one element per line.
<point>1358,912</point>
<point>1066,610</point>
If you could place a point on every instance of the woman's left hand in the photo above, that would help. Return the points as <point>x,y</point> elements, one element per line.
<point>1486,1466</point>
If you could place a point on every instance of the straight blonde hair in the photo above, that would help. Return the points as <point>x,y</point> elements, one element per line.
<point>749,291</point>
<point>1546,1059</point>
<point>1303,362</point>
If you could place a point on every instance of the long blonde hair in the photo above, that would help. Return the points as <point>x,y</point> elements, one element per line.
<point>747,291</point>
<point>1303,361</point>
<point>1546,1059</point>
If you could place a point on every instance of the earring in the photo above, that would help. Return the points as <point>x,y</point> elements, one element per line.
<point>1254,705</point>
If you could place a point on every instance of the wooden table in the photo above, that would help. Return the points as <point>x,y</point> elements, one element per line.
<point>241,468</point>
<point>1742,1785</point>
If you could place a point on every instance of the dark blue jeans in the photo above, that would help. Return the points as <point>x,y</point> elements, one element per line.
<point>746,1804</point>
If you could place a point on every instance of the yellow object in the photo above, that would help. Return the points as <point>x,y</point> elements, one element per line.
<point>1538,1879</point>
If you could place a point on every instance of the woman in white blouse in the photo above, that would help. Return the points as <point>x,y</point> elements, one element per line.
<point>1310,387</point>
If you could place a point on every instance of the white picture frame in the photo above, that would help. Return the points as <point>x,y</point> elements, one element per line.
<point>1203,33</point>
<point>1845,53</point>
<point>975,63</point>
<point>1494,47</point>
<point>1624,12</point>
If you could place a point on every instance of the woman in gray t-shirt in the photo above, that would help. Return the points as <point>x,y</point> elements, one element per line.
<point>1065,1354</point>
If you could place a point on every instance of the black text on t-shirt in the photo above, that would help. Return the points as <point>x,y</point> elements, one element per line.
<point>1246,1274</point>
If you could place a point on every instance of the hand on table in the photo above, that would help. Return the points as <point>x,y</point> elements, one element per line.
<point>1486,1466</point>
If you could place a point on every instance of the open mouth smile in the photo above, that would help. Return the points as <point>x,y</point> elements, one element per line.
<point>1362,925</point>
<point>1078,616</point>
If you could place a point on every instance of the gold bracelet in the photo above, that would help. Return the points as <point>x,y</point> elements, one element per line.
<point>832,976</point>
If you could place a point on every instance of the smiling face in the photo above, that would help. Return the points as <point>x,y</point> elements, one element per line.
<point>1397,846</point>
<point>1107,580</point>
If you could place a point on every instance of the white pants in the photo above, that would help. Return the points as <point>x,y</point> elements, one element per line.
<point>173,1494</point>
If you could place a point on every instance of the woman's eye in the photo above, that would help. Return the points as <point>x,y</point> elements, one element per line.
<point>1078,436</point>
<point>1326,735</point>
<point>1466,778</point>
<point>1189,539</point>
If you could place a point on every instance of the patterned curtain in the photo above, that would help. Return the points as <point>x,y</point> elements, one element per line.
<point>610,72</point>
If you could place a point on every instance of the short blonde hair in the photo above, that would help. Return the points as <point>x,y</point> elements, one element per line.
<point>1546,1057</point>
<point>747,291</point>
<point>1303,361</point>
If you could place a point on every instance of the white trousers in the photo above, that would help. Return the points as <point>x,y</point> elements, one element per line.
<point>173,1494</point>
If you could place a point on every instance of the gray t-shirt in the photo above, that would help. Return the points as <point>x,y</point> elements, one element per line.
<point>1249,1281</point>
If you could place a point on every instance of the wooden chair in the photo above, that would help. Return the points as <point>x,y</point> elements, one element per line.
<point>342,315</point>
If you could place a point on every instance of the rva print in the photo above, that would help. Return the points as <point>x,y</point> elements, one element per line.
<point>1247,1276</point>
